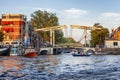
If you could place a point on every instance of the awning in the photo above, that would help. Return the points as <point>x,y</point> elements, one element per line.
<point>11,29</point>
<point>7,22</point>
<point>7,29</point>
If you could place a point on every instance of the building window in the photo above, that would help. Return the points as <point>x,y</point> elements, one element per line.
<point>14,17</point>
<point>3,17</point>
<point>7,42</point>
<point>115,43</point>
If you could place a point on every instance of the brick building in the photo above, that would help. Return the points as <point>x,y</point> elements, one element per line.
<point>114,41</point>
<point>0,24</point>
<point>13,26</point>
<point>116,33</point>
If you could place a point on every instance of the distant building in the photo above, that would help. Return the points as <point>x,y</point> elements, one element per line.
<point>13,26</point>
<point>116,33</point>
<point>112,43</point>
<point>114,40</point>
<point>0,24</point>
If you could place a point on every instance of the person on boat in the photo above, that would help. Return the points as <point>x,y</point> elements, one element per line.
<point>73,51</point>
<point>76,52</point>
<point>81,52</point>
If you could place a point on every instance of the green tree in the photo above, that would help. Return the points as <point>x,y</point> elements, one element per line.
<point>98,36</point>
<point>58,36</point>
<point>64,40</point>
<point>43,19</point>
<point>1,36</point>
<point>68,40</point>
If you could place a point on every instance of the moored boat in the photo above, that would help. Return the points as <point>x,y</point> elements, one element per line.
<point>75,52</point>
<point>30,52</point>
<point>80,54</point>
<point>5,51</point>
<point>14,51</point>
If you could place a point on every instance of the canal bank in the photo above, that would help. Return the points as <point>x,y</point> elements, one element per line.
<point>112,51</point>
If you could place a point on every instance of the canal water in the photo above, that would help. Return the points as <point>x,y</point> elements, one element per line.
<point>60,67</point>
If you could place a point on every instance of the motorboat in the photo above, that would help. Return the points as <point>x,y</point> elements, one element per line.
<point>75,52</point>
<point>30,52</point>
<point>81,54</point>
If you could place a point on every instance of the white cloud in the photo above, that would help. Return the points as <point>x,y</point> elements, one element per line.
<point>72,16</point>
<point>110,19</point>
<point>110,14</point>
<point>73,13</point>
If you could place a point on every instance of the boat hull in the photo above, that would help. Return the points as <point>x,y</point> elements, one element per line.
<point>31,54</point>
<point>5,52</point>
<point>80,54</point>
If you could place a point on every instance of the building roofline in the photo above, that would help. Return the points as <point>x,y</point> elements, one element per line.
<point>112,40</point>
<point>13,14</point>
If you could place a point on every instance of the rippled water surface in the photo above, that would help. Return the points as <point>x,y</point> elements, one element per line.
<point>60,67</point>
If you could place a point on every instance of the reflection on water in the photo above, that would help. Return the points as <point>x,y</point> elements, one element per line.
<point>61,67</point>
<point>9,63</point>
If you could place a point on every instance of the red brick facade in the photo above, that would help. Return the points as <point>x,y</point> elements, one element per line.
<point>13,26</point>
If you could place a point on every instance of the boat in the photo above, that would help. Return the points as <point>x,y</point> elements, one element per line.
<point>5,51</point>
<point>81,54</point>
<point>75,52</point>
<point>14,51</point>
<point>30,53</point>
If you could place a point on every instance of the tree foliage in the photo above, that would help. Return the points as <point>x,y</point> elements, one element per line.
<point>43,19</point>
<point>58,36</point>
<point>68,40</point>
<point>98,36</point>
<point>1,36</point>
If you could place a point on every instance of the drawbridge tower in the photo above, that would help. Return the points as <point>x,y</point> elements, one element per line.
<point>85,28</point>
<point>52,34</point>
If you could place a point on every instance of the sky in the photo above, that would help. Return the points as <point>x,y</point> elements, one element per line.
<point>79,12</point>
